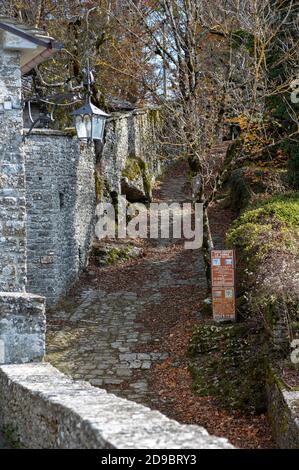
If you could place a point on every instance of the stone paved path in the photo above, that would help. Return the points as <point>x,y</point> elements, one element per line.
<point>126,328</point>
<point>102,333</point>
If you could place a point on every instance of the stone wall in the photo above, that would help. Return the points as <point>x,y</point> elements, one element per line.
<point>42,408</point>
<point>12,184</point>
<point>283,412</point>
<point>61,194</point>
<point>130,136</point>
<point>60,200</point>
<point>22,328</point>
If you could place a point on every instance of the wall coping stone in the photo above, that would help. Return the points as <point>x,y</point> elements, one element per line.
<point>85,416</point>
<point>49,132</point>
<point>22,295</point>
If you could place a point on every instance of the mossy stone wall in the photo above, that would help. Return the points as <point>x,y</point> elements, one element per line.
<point>228,362</point>
<point>283,411</point>
<point>131,152</point>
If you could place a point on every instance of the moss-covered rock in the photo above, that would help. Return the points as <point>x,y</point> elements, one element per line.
<point>268,225</point>
<point>107,254</point>
<point>132,169</point>
<point>12,437</point>
<point>136,182</point>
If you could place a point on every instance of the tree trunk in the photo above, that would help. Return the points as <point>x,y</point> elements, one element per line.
<point>207,243</point>
<point>207,246</point>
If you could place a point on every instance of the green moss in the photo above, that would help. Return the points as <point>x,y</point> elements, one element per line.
<point>12,437</point>
<point>98,186</point>
<point>272,378</point>
<point>106,189</point>
<point>266,226</point>
<point>132,169</point>
<point>154,116</point>
<point>146,178</point>
<point>118,254</point>
<point>248,239</point>
<point>112,255</point>
<point>266,231</point>
<point>70,131</point>
<point>137,168</point>
<point>281,207</point>
<point>239,189</point>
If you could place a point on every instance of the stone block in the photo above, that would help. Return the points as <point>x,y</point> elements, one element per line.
<point>22,328</point>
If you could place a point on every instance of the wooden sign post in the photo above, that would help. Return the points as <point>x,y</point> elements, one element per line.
<point>223,268</point>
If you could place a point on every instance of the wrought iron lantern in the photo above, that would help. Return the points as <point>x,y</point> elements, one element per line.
<point>89,122</point>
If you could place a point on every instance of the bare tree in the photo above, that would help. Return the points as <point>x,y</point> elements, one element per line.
<point>221,58</point>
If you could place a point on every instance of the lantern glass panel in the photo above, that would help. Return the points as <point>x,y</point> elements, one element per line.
<point>80,127</point>
<point>87,124</point>
<point>98,127</point>
<point>83,126</point>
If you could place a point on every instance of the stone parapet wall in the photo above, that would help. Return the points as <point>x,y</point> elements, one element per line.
<point>283,412</point>
<point>42,408</point>
<point>60,199</point>
<point>22,328</point>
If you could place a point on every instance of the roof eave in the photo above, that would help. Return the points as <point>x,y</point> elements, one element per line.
<point>35,39</point>
<point>44,55</point>
<point>49,44</point>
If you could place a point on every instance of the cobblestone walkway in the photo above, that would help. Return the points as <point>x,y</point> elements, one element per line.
<point>103,332</point>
